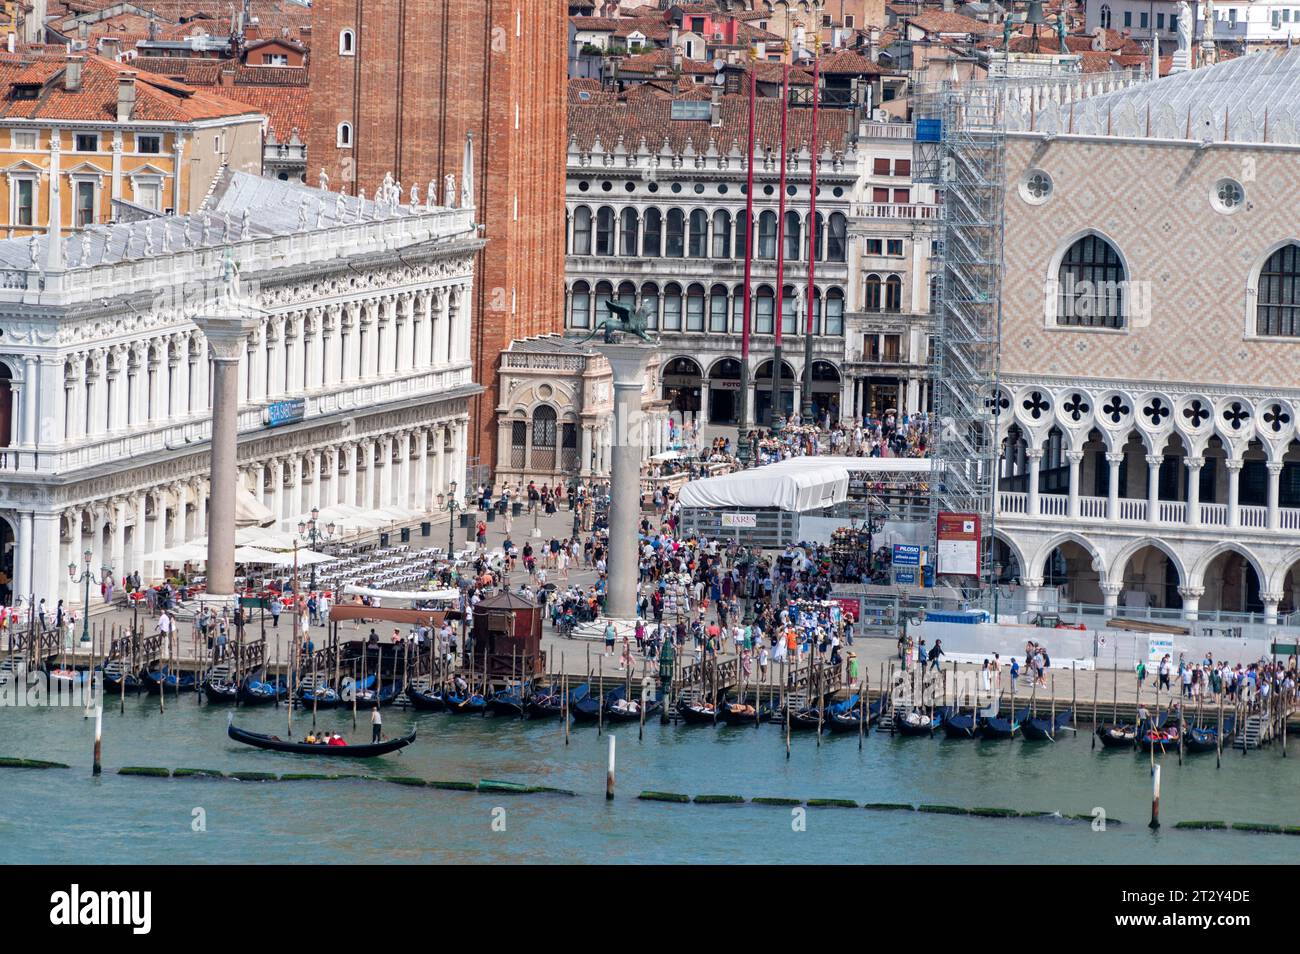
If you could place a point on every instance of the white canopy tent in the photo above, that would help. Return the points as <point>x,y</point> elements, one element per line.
<point>405,596</point>
<point>796,485</point>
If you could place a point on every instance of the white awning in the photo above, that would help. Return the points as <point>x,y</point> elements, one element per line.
<point>405,596</point>
<point>798,484</point>
<point>251,512</point>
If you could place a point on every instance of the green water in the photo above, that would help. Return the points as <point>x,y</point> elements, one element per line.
<point>64,816</point>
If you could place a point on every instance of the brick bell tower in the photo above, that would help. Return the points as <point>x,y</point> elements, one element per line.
<point>395,87</point>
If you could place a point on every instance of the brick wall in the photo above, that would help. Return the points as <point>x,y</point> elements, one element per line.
<point>426,72</point>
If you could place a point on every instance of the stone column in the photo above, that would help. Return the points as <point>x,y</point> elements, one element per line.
<point>118,551</point>
<point>1233,466</point>
<point>48,572</point>
<point>296,507</point>
<point>1270,607</point>
<point>628,362</point>
<point>1113,462</point>
<point>368,493</point>
<point>1193,465</point>
<point>404,469</point>
<point>350,469</point>
<point>226,334</point>
<point>277,489</point>
<point>23,555</point>
<point>422,471</point>
<point>1075,458</point>
<point>585,462</point>
<point>1110,596</point>
<point>31,388</point>
<point>1153,487</point>
<point>440,460</point>
<point>138,542</point>
<point>1033,591</point>
<point>1274,475</point>
<point>1035,455</point>
<point>1191,600</point>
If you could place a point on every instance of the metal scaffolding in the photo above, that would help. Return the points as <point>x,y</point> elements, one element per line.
<point>960,149</point>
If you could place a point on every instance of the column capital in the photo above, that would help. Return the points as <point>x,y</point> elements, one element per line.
<point>1155,460</point>
<point>1074,456</point>
<point>1275,467</point>
<point>1115,458</point>
<point>1191,592</point>
<point>1271,597</point>
<point>1193,463</point>
<point>1111,589</point>
<point>1034,453</point>
<point>1032,582</point>
<point>226,335</point>
<point>1233,464</point>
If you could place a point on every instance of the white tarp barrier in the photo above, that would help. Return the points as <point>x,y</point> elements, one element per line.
<point>411,596</point>
<point>797,484</point>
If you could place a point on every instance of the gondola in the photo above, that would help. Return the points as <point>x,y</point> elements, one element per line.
<point>621,709</point>
<point>587,709</point>
<point>257,692</point>
<point>368,696</point>
<point>807,719</point>
<point>960,725</point>
<point>319,697</point>
<point>1159,738</point>
<point>221,690</point>
<point>1116,736</point>
<point>850,720</point>
<point>1043,730</point>
<point>155,679</point>
<point>276,744</point>
<point>696,713</point>
<point>113,681</point>
<point>996,727</point>
<point>465,704</point>
<point>1207,739</point>
<point>509,702</point>
<point>426,700</point>
<point>550,704</point>
<point>738,713</point>
<point>917,722</point>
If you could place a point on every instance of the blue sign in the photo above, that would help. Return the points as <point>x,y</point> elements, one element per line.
<point>907,577</point>
<point>285,412</point>
<point>907,554</point>
<point>929,130</point>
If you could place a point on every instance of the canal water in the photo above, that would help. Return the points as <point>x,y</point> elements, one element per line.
<point>66,816</point>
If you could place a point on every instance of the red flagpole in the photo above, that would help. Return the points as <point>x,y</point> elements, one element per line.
<point>741,431</point>
<point>812,248</point>
<point>777,391</point>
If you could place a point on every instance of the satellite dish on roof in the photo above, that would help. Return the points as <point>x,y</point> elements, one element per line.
<point>718,65</point>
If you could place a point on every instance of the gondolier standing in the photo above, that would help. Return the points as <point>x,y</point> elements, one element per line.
<point>376,725</point>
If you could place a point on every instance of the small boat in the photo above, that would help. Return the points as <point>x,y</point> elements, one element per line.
<point>996,727</point>
<point>426,699</point>
<point>738,713</point>
<point>65,676</point>
<point>588,708</point>
<point>276,744</point>
<point>696,713</point>
<point>850,720</point>
<point>960,725</point>
<point>465,704</point>
<point>507,702</point>
<point>157,679</point>
<point>318,696</point>
<point>369,696</point>
<point>550,704</point>
<point>221,690</point>
<point>918,722</point>
<point>622,709</point>
<point>1041,730</point>
<point>808,718</point>
<point>1207,739</point>
<point>257,692</point>
<point>1116,736</point>
<point>1160,738</point>
<point>114,675</point>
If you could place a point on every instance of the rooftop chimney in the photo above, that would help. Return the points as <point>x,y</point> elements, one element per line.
<point>125,94</point>
<point>72,72</point>
<point>110,47</point>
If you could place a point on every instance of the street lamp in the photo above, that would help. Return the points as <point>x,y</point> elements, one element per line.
<point>85,578</point>
<point>311,530</point>
<point>451,506</point>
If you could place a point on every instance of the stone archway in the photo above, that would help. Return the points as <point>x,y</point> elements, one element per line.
<point>1231,582</point>
<point>1149,575</point>
<point>1072,567</point>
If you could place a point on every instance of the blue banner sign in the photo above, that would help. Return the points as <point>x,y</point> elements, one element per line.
<point>286,412</point>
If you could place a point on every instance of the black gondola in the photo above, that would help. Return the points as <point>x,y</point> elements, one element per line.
<point>156,679</point>
<point>996,727</point>
<point>1116,736</point>
<point>113,681</point>
<point>369,697</point>
<point>276,744</point>
<point>918,722</point>
<point>696,713</point>
<point>257,692</point>
<point>737,713</point>
<point>223,690</point>
<point>1159,737</point>
<point>426,700</point>
<point>318,697</point>
<point>850,719</point>
<point>1207,739</point>
<point>550,704</point>
<point>465,704</point>
<point>960,725</point>
<point>618,708</point>
<point>587,709</point>
<point>508,702</point>
<point>1045,730</point>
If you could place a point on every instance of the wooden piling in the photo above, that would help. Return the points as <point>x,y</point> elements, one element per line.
<point>609,774</point>
<point>1155,792</point>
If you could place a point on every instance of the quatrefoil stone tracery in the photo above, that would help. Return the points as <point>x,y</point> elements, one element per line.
<point>1236,415</point>
<point>1116,409</point>
<point>1276,418</point>
<point>1196,413</point>
<point>1076,407</point>
<point>1156,411</point>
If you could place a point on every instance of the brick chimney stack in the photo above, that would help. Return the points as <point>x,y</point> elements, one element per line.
<point>125,94</point>
<point>72,72</point>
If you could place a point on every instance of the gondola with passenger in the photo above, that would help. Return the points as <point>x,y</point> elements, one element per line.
<point>550,703</point>
<point>1117,735</point>
<point>275,744</point>
<point>696,713</point>
<point>920,722</point>
<point>221,690</point>
<point>738,713</point>
<point>619,708</point>
<point>1206,739</point>
<point>463,702</point>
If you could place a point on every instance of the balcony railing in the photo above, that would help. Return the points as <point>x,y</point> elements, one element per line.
<point>1135,510</point>
<point>902,210</point>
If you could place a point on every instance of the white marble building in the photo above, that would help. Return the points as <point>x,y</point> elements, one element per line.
<point>353,390</point>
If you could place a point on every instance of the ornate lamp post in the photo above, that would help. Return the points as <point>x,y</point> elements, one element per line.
<point>85,577</point>
<point>312,531</point>
<point>452,505</point>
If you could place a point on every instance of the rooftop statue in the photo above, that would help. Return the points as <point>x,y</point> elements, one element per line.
<point>623,319</point>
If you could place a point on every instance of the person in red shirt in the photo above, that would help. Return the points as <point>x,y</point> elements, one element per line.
<point>336,739</point>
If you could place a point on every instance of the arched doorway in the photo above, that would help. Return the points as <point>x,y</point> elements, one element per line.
<point>724,391</point>
<point>1150,580</point>
<point>1232,585</point>
<point>682,380</point>
<point>6,562</point>
<point>1004,563</point>
<point>6,405</point>
<point>1071,569</point>
<point>763,391</point>
<point>826,390</point>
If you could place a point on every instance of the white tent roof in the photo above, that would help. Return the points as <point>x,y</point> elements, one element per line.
<point>415,596</point>
<point>797,484</point>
